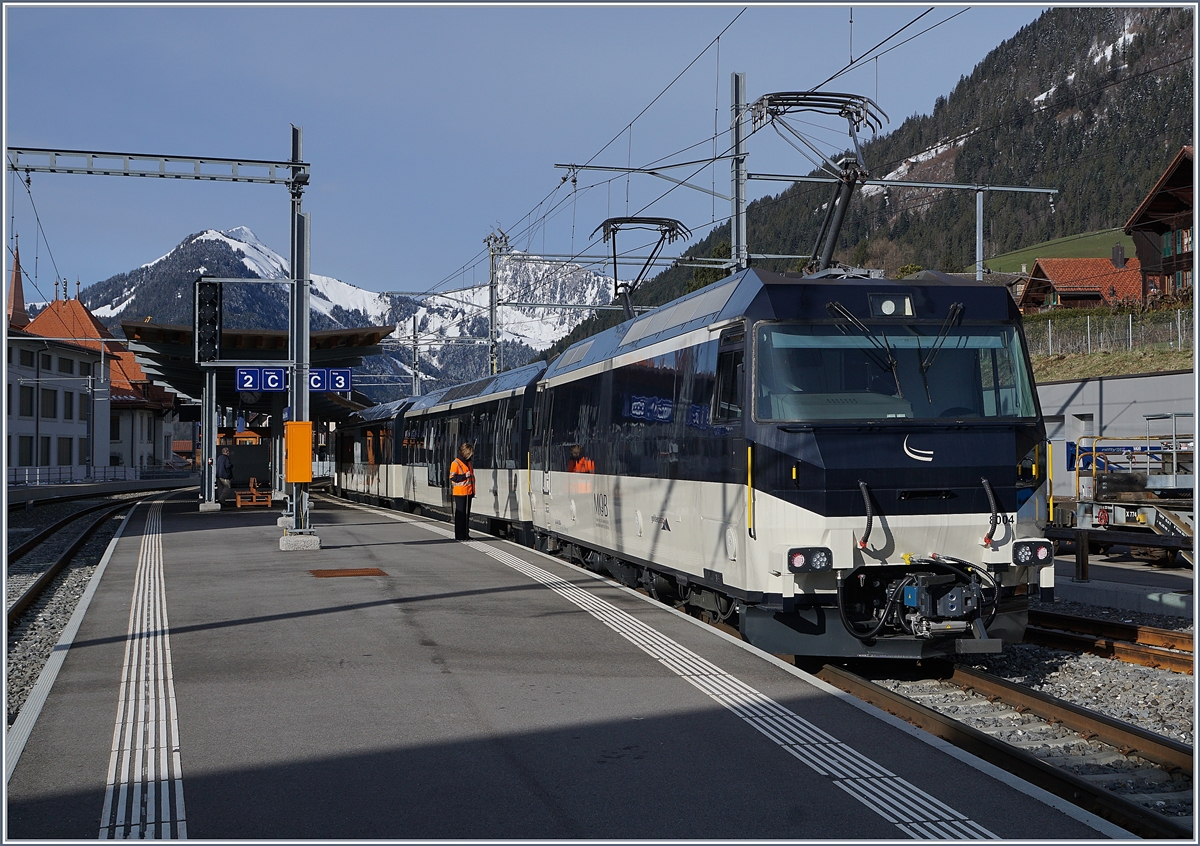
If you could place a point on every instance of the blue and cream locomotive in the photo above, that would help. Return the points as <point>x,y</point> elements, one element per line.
<point>840,466</point>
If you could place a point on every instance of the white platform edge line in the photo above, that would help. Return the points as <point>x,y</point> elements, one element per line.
<point>17,736</point>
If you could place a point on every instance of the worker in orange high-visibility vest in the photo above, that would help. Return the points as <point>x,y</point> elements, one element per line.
<point>578,462</point>
<point>462,478</point>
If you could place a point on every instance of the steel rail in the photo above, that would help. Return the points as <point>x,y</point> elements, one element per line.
<point>1130,653</point>
<point>1142,635</point>
<point>19,552</point>
<point>44,581</point>
<point>1129,739</point>
<point>15,505</point>
<point>1096,800</point>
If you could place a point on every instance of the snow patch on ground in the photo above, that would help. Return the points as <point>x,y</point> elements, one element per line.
<point>908,164</point>
<point>113,310</point>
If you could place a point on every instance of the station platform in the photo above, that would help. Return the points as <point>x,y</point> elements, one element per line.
<point>218,688</point>
<point>1122,580</point>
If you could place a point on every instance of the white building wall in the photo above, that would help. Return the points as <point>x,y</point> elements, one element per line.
<point>140,437</point>
<point>52,403</point>
<point>1112,407</point>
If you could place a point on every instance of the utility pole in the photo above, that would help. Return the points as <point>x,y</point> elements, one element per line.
<point>416,371</point>
<point>497,245</point>
<point>737,127</point>
<point>300,535</point>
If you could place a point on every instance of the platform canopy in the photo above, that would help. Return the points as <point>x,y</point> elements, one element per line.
<point>166,354</point>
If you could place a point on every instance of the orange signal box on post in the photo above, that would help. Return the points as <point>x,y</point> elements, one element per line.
<point>297,451</point>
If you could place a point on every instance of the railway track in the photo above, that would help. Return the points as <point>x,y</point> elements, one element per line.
<point>1127,775</point>
<point>35,564</point>
<point>30,505</point>
<point>1142,645</point>
<point>1123,774</point>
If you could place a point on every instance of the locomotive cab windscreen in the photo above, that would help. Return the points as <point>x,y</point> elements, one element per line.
<point>880,370</point>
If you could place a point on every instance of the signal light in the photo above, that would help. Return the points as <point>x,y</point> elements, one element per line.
<point>809,559</point>
<point>207,320</point>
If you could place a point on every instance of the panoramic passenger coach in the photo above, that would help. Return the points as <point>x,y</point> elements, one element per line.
<point>399,454</point>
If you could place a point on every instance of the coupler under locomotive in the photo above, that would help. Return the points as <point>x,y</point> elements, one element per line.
<point>924,608</point>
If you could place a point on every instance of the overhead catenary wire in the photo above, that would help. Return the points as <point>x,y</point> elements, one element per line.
<point>479,256</point>
<point>547,209</point>
<point>27,182</point>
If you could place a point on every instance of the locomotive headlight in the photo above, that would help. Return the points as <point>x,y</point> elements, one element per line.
<point>809,559</point>
<point>891,305</point>
<point>1036,553</point>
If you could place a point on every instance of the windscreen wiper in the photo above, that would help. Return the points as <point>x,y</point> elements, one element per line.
<point>952,317</point>
<point>889,362</point>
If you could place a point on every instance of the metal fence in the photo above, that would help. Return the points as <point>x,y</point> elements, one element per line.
<point>1163,330</point>
<point>69,475</point>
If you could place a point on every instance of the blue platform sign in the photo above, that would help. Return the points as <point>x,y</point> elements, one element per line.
<point>318,379</point>
<point>249,379</point>
<point>339,378</point>
<point>274,378</point>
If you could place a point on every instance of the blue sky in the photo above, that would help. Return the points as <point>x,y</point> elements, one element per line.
<point>428,127</point>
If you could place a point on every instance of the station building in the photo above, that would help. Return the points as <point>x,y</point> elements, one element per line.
<point>57,405</point>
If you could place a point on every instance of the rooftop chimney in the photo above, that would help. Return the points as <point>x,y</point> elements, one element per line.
<point>1118,257</point>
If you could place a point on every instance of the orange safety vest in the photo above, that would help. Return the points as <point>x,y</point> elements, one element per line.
<point>583,464</point>
<point>462,475</point>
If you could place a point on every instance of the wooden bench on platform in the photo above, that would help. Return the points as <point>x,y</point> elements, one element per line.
<point>253,496</point>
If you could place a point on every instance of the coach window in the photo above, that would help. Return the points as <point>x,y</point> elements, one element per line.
<point>387,447</point>
<point>727,399</point>
<point>483,433</point>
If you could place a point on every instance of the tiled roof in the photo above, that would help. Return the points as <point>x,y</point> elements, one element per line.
<point>128,382</point>
<point>1083,275</point>
<point>69,319</point>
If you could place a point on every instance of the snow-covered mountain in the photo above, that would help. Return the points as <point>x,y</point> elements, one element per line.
<point>161,291</point>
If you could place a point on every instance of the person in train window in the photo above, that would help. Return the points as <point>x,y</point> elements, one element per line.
<point>462,478</point>
<point>578,462</point>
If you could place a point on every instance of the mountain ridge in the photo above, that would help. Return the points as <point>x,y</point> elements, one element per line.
<point>161,291</point>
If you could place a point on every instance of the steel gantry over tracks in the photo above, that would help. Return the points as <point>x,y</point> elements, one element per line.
<point>293,173</point>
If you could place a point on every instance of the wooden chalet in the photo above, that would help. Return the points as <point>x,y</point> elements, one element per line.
<point>1163,230</point>
<point>1082,283</point>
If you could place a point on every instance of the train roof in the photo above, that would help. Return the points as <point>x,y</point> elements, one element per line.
<point>383,411</point>
<point>731,298</point>
<point>502,384</point>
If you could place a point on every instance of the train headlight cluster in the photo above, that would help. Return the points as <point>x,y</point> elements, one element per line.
<point>809,559</point>
<point>1032,553</point>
